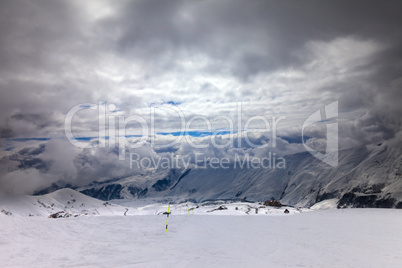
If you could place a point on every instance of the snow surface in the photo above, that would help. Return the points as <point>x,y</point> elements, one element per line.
<point>326,238</point>
<point>320,238</point>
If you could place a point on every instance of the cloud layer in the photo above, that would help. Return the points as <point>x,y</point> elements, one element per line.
<point>201,58</point>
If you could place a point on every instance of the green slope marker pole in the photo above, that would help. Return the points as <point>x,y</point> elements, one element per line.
<point>188,210</point>
<point>167,219</point>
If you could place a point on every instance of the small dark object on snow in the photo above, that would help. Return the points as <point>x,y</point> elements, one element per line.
<point>219,208</point>
<point>275,203</point>
<point>56,215</point>
<point>286,211</point>
<point>6,212</point>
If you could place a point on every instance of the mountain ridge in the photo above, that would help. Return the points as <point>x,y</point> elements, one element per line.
<point>368,176</point>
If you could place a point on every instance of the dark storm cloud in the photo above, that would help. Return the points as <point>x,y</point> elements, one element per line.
<point>33,151</point>
<point>35,35</point>
<point>45,69</point>
<point>5,133</point>
<point>253,36</point>
<point>248,38</point>
<point>40,121</point>
<point>49,48</point>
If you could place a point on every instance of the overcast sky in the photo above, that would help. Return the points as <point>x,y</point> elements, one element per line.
<point>203,58</point>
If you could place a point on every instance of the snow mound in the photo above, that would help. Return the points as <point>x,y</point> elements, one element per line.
<point>67,201</point>
<point>326,204</point>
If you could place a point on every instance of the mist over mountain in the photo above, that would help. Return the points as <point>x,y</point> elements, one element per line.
<point>87,85</point>
<point>365,177</point>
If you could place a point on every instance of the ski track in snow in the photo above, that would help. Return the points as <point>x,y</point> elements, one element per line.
<point>322,238</point>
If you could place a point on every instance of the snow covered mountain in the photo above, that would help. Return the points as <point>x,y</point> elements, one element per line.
<point>368,176</point>
<point>65,202</point>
